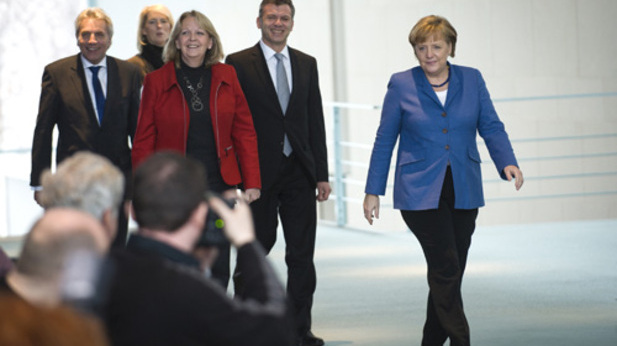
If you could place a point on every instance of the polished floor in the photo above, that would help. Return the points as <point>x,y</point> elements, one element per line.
<point>526,285</point>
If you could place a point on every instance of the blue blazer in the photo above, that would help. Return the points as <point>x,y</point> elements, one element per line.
<point>433,135</point>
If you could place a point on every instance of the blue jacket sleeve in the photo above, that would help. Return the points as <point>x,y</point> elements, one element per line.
<point>385,140</point>
<point>493,132</point>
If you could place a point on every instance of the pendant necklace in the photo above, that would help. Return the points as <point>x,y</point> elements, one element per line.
<point>196,103</point>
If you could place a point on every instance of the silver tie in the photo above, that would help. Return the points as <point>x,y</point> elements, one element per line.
<point>282,89</point>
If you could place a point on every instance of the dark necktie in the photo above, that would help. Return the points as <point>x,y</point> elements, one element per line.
<point>98,92</point>
<point>282,89</point>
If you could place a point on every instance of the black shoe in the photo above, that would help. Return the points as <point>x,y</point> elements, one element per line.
<point>310,340</point>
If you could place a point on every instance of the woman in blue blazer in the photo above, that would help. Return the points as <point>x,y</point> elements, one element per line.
<point>436,110</point>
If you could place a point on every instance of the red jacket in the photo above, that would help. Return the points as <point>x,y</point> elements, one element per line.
<point>164,120</point>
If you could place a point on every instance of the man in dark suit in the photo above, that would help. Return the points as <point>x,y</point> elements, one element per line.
<point>282,89</point>
<point>94,100</point>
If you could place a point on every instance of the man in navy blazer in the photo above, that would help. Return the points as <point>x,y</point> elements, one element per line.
<point>292,151</point>
<point>86,119</point>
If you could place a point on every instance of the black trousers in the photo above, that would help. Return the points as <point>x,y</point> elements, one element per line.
<point>292,198</point>
<point>445,236</point>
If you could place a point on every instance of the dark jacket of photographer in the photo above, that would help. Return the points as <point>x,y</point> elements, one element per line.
<point>154,301</point>
<point>146,246</point>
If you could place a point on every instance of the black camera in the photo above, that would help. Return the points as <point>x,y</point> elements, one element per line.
<point>213,233</point>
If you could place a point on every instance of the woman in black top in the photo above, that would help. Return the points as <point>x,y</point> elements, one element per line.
<point>155,23</point>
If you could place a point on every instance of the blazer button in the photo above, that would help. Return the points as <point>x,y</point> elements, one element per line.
<point>447,147</point>
<point>443,114</point>
<point>444,131</point>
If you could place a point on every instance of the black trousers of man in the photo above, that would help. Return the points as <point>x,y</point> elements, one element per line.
<point>445,236</point>
<point>293,199</point>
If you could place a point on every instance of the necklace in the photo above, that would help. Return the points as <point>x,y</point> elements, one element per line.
<point>196,103</point>
<point>444,83</point>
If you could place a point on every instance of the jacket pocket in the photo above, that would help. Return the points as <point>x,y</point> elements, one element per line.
<point>229,167</point>
<point>474,155</point>
<point>407,157</point>
<point>229,151</point>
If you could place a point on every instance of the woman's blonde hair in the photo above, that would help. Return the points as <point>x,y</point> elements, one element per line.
<point>213,55</point>
<point>433,26</point>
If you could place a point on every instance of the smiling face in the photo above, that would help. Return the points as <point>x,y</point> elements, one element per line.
<point>156,28</point>
<point>276,23</point>
<point>433,56</point>
<point>193,42</point>
<point>93,39</point>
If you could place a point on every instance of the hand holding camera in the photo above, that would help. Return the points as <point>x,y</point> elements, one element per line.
<point>237,223</point>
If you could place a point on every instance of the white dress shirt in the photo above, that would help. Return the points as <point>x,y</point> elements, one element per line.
<point>441,95</point>
<point>272,61</point>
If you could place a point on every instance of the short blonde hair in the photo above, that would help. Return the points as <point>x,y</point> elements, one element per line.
<point>143,19</point>
<point>213,55</point>
<point>94,13</point>
<point>433,26</point>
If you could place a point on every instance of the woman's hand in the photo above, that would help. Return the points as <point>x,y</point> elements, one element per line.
<point>251,195</point>
<point>371,207</point>
<point>512,171</point>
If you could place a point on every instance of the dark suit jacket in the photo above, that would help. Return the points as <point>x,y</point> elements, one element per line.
<point>144,65</point>
<point>154,301</point>
<point>303,121</point>
<point>65,102</point>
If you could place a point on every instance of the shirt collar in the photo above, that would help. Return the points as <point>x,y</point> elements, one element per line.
<point>87,64</point>
<point>269,52</point>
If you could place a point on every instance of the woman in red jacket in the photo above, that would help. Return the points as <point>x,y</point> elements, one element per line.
<point>194,105</point>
